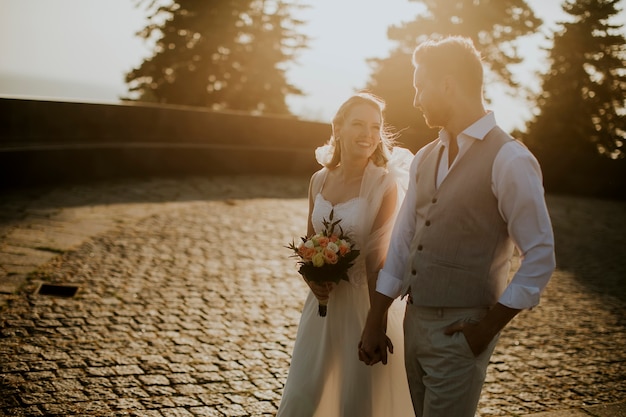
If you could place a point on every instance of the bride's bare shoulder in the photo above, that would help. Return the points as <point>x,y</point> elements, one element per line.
<point>319,175</point>
<point>317,179</point>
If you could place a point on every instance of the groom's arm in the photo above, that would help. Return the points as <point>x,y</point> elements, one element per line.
<point>517,183</point>
<point>374,342</point>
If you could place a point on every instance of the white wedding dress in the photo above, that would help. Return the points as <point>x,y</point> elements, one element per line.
<point>326,378</point>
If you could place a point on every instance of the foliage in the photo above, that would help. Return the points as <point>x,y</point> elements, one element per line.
<point>586,82</point>
<point>579,129</point>
<point>219,54</point>
<point>494,26</point>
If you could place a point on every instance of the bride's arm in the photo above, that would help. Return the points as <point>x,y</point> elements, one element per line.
<point>378,241</point>
<point>321,291</point>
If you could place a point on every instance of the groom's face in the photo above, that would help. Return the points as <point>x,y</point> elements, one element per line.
<point>430,97</point>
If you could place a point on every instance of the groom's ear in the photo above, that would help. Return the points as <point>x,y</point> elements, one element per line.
<point>448,83</point>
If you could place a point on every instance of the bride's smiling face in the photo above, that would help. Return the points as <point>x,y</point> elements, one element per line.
<point>359,134</point>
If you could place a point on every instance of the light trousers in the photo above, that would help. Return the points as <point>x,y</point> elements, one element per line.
<point>445,378</point>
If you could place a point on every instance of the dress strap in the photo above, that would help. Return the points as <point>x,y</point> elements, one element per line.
<point>320,182</point>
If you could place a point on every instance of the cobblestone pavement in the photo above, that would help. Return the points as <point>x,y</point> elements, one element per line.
<point>188,304</point>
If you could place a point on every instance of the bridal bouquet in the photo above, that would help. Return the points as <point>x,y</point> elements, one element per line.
<point>325,256</point>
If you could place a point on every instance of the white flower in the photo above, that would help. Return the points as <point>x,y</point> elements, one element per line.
<point>332,247</point>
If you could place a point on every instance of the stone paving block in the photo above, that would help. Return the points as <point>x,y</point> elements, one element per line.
<point>33,238</point>
<point>81,228</point>
<point>25,411</point>
<point>12,254</point>
<point>607,410</point>
<point>12,282</point>
<point>561,413</point>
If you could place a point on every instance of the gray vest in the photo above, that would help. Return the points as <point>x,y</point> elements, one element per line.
<point>461,251</point>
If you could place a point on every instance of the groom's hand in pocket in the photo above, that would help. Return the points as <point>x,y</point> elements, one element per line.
<point>480,333</point>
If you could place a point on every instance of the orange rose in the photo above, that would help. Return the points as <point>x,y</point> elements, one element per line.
<point>330,256</point>
<point>306,253</point>
<point>323,241</point>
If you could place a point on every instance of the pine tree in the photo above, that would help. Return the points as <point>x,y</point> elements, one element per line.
<point>494,26</point>
<point>579,130</point>
<point>582,103</point>
<point>220,54</point>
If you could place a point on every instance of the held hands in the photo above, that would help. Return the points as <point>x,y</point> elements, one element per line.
<point>373,345</point>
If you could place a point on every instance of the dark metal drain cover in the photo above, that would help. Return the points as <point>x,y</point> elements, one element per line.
<point>57,290</point>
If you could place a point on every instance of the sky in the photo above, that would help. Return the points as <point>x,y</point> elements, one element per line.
<point>80,50</point>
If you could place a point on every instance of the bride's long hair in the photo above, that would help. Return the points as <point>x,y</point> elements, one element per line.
<point>329,155</point>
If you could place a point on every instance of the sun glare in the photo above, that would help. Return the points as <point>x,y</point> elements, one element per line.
<point>343,34</point>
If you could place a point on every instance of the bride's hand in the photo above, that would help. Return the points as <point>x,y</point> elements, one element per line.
<point>321,290</point>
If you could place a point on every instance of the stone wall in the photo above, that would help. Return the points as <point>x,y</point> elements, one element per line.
<point>50,141</point>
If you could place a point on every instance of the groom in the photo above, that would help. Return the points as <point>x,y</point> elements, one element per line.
<point>474,195</point>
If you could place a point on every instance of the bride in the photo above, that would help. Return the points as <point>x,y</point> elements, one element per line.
<point>362,181</point>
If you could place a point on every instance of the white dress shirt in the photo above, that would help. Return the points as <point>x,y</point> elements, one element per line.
<point>516,182</point>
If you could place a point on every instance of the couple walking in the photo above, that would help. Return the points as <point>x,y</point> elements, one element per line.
<point>436,232</point>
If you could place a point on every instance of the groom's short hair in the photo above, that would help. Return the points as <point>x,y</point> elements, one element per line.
<point>453,55</point>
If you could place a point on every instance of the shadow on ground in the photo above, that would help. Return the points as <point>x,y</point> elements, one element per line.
<point>590,239</point>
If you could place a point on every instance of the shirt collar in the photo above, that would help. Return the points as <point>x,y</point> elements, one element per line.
<point>482,126</point>
<point>477,130</point>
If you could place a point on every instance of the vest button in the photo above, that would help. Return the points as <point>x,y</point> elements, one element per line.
<point>427,223</point>
<point>434,200</point>
<point>420,247</point>
<point>413,272</point>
